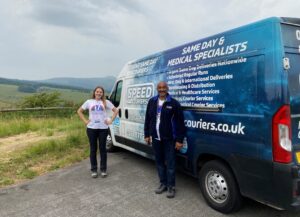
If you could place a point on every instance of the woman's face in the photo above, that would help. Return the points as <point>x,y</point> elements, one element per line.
<point>98,93</point>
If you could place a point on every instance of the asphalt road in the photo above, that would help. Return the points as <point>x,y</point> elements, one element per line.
<point>127,191</point>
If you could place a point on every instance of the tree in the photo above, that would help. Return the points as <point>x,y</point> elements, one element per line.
<point>27,88</point>
<point>42,100</point>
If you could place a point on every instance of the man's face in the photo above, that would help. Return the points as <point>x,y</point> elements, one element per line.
<point>162,89</point>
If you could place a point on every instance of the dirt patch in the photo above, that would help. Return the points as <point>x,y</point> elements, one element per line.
<point>14,143</point>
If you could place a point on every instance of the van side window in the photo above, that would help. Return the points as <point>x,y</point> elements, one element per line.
<point>116,94</point>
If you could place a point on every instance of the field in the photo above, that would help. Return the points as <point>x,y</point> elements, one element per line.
<point>11,97</point>
<point>38,142</point>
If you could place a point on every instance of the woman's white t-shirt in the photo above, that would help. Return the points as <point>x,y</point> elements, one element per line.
<point>97,113</point>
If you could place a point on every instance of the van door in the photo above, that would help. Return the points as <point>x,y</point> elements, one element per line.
<point>294,90</point>
<point>138,92</point>
<point>291,39</point>
<point>118,124</point>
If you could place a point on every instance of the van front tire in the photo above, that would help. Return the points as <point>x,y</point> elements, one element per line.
<point>109,144</point>
<point>219,187</point>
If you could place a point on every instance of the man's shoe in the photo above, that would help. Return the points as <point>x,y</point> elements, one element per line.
<point>171,192</point>
<point>161,189</point>
<point>103,174</point>
<point>94,175</point>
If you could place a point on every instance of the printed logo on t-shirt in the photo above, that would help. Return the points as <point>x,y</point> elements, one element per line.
<point>97,113</point>
<point>97,108</point>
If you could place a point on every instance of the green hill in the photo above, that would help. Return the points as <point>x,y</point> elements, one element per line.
<point>72,90</point>
<point>85,83</point>
<point>37,84</point>
<point>10,96</point>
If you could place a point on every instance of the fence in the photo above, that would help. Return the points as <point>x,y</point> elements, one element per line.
<point>38,112</point>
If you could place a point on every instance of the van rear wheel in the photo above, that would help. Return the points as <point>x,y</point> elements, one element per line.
<point>219,187</point>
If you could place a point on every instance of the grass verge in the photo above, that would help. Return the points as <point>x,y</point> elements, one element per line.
<point>44,156</point>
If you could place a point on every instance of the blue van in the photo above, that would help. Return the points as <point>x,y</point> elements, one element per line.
<point>240,94</point>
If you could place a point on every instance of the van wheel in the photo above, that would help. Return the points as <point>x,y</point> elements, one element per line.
<point>109,144</point>
<point>219,187</point>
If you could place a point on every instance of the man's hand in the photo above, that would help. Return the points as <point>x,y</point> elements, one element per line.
<point>148,140</point>
<point>178,145</point>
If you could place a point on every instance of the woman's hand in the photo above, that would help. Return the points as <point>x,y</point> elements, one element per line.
<point>108,121</point>
<point>84,120</point>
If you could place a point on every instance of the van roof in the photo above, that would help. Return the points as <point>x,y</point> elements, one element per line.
<point>289,20</point>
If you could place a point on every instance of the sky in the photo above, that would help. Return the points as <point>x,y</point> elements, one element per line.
<point>41,39</point>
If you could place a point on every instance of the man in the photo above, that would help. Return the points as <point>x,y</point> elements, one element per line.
<point>164,128</point>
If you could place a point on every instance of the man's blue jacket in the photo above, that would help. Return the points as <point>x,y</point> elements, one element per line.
<point>171,120</point>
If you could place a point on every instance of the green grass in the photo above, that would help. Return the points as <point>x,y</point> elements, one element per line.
<point>57,147</point>
<point>6,104</point>
<point>60,112</point>
<point>74,95</point>
<point>28,173</point>
<point>4,181</point>
<point>47,154</point>
<point>54,153</point>
<point>17,124</point>
<point>49,132</point>
<point>10,93</point>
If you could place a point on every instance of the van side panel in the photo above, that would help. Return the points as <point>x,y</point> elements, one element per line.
<point>233,82</point>
<point>230,86</point>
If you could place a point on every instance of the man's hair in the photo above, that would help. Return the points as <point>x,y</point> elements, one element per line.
<point>163,83</point>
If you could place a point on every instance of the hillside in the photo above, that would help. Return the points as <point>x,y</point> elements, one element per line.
<point>76,90</point>
<point>10,96</point>
<point>37,84</point>
<point>85,83</point>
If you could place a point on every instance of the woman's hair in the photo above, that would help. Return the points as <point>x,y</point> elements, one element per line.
<point>103,98</point>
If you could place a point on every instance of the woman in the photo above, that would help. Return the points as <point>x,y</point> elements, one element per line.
<point>97,127</point>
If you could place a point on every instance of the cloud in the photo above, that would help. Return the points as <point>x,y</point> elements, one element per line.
<point>90,17</point>
<point>90,38</point>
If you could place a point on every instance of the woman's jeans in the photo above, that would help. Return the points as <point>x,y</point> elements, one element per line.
<point>94,136</point>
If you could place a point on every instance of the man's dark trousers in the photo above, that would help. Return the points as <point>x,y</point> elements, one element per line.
<point>165,156</point>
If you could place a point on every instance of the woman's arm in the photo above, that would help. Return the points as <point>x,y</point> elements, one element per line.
<point>115,113</point>
<point>81,115</point>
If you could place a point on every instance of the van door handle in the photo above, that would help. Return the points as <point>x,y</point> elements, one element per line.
<point>126,113</point>
<point>120,113</point>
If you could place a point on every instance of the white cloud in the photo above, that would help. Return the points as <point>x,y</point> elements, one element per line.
<point>90,38</point>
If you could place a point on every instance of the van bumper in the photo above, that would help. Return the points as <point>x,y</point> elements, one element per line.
<point>273,184</point>
<point>286,187</point>
<point>295,206</point>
